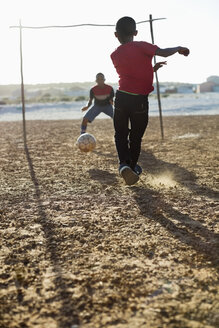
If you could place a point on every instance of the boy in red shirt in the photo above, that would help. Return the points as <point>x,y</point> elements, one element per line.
<point>103,100</point>
<point>132,61</point>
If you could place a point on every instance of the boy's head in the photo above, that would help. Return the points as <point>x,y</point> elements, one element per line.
<point>125,28</point>
<point>100,79</point>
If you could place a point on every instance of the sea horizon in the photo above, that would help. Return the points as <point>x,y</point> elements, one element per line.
<point>172,105</point>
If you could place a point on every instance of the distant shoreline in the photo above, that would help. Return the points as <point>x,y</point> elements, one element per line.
<point>172,105</point>
<point>165,117</point>
<point>75,91</point>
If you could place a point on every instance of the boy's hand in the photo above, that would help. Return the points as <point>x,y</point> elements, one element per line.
<point>84,108</point>
<point>183,51</point>
<point>159,65</point>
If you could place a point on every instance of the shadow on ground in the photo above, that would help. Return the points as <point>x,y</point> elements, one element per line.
<point>104,177</point>
<point>181,226</point>
<point>155,167</point>
<point>66,315</point>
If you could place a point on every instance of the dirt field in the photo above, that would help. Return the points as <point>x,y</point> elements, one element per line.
<point>80,249</point>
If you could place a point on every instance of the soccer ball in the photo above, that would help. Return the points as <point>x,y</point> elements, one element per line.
<point>86,142</point>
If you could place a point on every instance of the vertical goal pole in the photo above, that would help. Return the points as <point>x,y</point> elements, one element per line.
<point>157,82</point>
<point>22,86</point>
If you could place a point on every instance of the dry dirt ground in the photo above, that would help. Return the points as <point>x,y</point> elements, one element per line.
<point>80,249</point>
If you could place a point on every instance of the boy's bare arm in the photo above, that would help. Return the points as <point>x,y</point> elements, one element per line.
<point>88,105</point>
<point>171,51</point>
<point>159,65</point>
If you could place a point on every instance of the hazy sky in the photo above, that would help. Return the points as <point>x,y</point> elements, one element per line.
<point>77,54</point>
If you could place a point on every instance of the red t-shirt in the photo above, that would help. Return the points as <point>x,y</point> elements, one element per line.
<point>102,96</point>
<point>132,61</point>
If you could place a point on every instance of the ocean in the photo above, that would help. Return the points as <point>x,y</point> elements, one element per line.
<point>172,105</point>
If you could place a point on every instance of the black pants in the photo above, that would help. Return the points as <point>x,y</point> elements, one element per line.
<point>133,110</point>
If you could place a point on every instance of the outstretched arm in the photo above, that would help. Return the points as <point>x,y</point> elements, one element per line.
<point>171,51</point>
<point>88,105</point>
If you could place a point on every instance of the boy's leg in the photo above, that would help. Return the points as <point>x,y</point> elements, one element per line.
<point>139,121</point>
<point>121,119</point>
<point>91,114</point>
<point>84,125</point>
<point>108,110</point>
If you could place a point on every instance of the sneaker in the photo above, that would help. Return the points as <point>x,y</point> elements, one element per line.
<point>138,169</point>
<point>128,174</point>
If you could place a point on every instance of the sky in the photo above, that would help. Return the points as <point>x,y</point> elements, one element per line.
<point>77,54</point>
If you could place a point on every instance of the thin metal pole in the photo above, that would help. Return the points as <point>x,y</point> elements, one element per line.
<point>157,82</point>
<point>22,86</point>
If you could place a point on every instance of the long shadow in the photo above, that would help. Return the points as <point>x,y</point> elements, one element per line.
<point>103,177</point>
<point>187,230</point>
<point>67,313</point>
<point>155,166</point>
